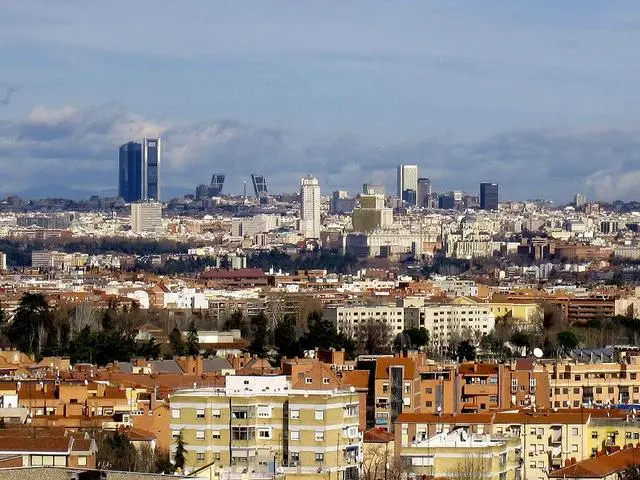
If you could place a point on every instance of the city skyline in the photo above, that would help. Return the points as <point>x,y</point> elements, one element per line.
<point>462,91</point>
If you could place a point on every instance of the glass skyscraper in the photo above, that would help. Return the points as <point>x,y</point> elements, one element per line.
<point>130,172</point>
<point>139,170</point>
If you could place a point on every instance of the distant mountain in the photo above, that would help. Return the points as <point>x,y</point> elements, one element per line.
<point>61,191</point>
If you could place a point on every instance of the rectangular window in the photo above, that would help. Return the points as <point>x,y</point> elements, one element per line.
<point>215,434</point>
<point>294,414</point>
<point>175,433</point>
<point>319,436</point>
<point>325,381</point>
<point>200,457</point>
<point>294,457</point>
<point>264,411</point>
<point>319,457</point>
<point>200,434</point>
<point>82,461</point>
<point>200,413</point>
<point>175,413</point>
<point>264,433</point>
<point>295,435</point>
<point>319,415</point>
<point>215,413</point>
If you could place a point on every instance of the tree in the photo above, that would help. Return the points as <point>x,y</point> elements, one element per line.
<point>285,339</point>
<point>259,331</point>
<point>176,342</point>
<point>321,332</point>
<point>115,452</point>
<point>192,345</point>
<point>373,338</point>
<point>465,351</point>
<point>472,467</point>
<point>419,337</point>
<point>178,456</point>
<point>632,472</point>
<point>31,324</point>
<point>568,340</point>
<point>237,321</point>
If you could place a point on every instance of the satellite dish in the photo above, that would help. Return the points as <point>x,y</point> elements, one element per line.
<point>537,352</point>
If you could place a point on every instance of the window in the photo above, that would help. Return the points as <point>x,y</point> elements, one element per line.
<point>636,389</point>
<point>319,436</point>
<point>294,414</point>
<point>215,434</point>
<point>574,447</point>
<point>325,381</point>
<point>610,389</point>
<point>175,413</point>
<point>200,457</point>
<point>264,411</point>
<point>385,387</point>
<point>598,389</point>
<point>264,433</point>
<point>294,456</point>
<point>82,461</point>
<point>200,413</point>
<point>295,435</point>
<point>319,457</point>
<point>429,390</point>
<point>319,415</point>
<point>576,390</point>
<point>428,403</point>
<point>215,413</point>
<point>175,433</point>
<point>407,388</point>
<point>308,380</point>
<point>200,434</point>
<point>216,455</point>
<point>633,376</point>
<point>594,434</point>
<point>574,431</point>
<point>565,391</point>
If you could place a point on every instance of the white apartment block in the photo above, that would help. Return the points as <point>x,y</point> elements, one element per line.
<point>444,322</point>
<point>348,318</point>
<point>456,287</point>
<point>146,217</point>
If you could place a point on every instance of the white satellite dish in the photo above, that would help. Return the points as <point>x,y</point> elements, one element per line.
<point>537,352</point>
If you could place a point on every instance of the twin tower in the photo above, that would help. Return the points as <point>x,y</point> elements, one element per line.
<point>139,170</point>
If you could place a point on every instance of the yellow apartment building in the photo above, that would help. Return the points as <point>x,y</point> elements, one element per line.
<point>259,426</point>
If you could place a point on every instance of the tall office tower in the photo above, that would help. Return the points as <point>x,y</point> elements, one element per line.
<point>372,189</point>
<point>310,203</point>
<point>151,161</point>
<point>579,200</point>
<point>146,217</point>
<point>217,182</point>
<point>424,192</point>
<point>488,196</point>
<point>259,185</point>
<point>407,183</point>
<point>130,172</point>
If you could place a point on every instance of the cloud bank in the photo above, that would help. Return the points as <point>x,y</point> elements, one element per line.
<point>77,148</point>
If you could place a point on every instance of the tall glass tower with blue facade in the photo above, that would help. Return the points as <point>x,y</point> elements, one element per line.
<point>130,172</point>
<point>151,160</point>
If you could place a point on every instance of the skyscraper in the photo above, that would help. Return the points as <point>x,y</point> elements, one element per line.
<point>130,172</point>
<point>579,200</point>
<point>310,203</point>
<point>424,192</point>
<point>407,182</point>
<point>151,161</point>
<point>488,196</point>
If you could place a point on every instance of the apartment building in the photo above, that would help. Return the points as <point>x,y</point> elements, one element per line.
<point>261,425</point>
<point>348,318</point>
<point>444,322</point>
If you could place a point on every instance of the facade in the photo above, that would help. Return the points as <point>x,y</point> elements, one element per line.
<point>371,214</point>
<point>3,261</point>
<point>348,318</point>
<point>407,182</point>
<point>373,189</point>
<point>259,186</point>
<point>151,162</point>
<point>488,196</point>
<point>260,425</point>
<point>424,193</point>
<point>310,203</point>
<point>130,172</point>
<point>146,217</point>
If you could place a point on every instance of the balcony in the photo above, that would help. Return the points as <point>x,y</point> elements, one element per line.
<point>479,389</point>
<point>556,436</point>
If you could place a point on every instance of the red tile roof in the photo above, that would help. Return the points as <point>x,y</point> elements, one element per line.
<point>600,467</point>
<point>241,273</point>
<point>378,435</point>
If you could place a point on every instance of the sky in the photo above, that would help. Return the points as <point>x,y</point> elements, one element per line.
<point>541,97</point>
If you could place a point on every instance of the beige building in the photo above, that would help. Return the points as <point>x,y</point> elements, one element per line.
<point>258,425</point>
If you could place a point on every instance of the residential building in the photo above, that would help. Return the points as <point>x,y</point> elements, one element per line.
<point>310,203</point>
<point>347,319</point>
<point>146,217</point>
<point>371,214</point>
<point>260,424</point>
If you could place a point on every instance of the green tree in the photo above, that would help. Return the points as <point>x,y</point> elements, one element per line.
<point>419,337</point>
<point>237,321</point>
<point>178,456</point>
<point>322,332</point>
<point>285,339</point>
<point>31,324</point>
<point>465,351</point>
<point>192,345</point>
<point>568,340</point>
<point>259,334</point>
<point>176,342</point>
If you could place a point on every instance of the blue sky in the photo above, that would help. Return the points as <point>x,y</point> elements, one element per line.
<point>539,96</point>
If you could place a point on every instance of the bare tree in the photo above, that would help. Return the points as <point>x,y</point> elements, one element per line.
<point>379,463</point>
<point>373,337</point>
<point>472,467</point>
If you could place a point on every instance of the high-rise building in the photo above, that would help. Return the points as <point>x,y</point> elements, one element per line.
<point>372,189</point>
<point>407,183</point>
<point>146,217</point>
<point>259,185</point>
<point>310,203</point>
<point>130,172</point>
<point>579,200</point>
<point>342,203</point>
<point>488,196</point>
<point>424,193</point>
<point>371,214</point>
<point>3,261</point>
<point>217,182</point>
<point>151,161</point>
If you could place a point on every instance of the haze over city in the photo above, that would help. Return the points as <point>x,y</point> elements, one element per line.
<point>538,96</point>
